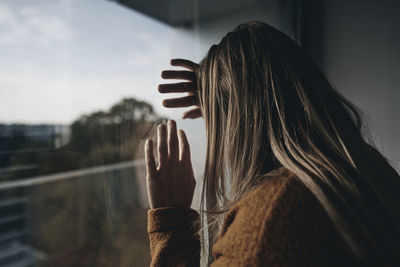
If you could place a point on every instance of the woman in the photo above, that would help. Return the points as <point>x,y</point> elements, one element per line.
<point>289,179</point>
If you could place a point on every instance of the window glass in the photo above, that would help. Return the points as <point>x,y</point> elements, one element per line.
<point>78,97</point>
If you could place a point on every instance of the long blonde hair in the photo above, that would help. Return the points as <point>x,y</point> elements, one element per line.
<point>266,105</point>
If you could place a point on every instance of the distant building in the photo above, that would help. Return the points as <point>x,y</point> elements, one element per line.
<point>58,134</point>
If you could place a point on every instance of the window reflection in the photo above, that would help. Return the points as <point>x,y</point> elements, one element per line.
<point>77,102</point>
<point>78,99</point>
<point>74,195</point>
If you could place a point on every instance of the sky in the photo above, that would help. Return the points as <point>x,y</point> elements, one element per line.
<point>60,59</point>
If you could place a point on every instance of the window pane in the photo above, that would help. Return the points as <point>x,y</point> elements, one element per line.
<point>78,98</point>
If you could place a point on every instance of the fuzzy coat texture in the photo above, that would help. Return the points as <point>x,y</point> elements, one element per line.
<point>279,223</point>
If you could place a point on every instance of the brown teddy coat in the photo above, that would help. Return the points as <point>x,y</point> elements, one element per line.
<point>279,223</point>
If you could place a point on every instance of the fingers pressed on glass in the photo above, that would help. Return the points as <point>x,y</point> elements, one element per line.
<point>173,147</point>
<point>192,114</point>
<point>185,101</point>
<point>162,145</point>
<point>184,147</point>
<point>149,159</point>
<point>177,87</point>
<point>183,63</point>
<point>178,74</point>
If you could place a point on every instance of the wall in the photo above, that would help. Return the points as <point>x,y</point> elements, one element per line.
<point>361,58</point>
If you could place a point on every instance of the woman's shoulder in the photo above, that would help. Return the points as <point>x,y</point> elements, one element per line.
<point>275,185</point>
<point>282,220</point>
<point>282,200</point>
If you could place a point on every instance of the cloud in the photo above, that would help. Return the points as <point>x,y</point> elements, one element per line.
<point>5,14</point>
<point>44,80</point>
<point>32,25</point>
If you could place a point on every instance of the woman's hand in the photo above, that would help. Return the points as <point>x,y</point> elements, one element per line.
<point>190,87</point>
<point>172,183</point>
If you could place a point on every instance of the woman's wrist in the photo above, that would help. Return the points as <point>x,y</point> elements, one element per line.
<point>172,218</point>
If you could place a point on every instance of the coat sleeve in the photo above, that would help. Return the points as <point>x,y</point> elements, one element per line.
<point>173,236</point>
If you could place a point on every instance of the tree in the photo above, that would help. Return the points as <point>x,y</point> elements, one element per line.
<point>104,137</point>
